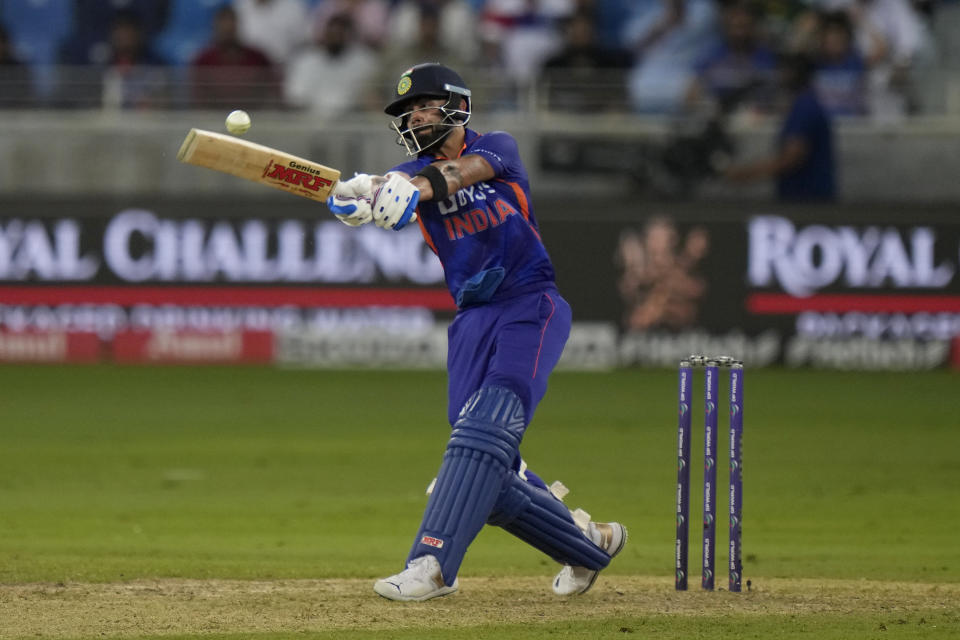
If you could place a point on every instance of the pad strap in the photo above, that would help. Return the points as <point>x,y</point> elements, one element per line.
<point>533,514</point>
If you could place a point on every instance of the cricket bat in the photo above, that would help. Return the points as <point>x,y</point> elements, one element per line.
<point>256,162</point>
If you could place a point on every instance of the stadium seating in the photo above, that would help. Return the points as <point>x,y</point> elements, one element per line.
<point>187,30</point>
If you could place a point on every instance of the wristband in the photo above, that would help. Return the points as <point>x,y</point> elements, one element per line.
<point>437,182</point>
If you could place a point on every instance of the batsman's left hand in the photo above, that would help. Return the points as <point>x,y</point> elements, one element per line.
<point>394,202</point>
<point>350,200</point>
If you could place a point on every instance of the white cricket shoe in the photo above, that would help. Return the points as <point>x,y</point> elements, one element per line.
<point>572,581</point>
<point>421,580</point>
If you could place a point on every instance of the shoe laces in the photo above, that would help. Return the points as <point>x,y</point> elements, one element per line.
<point>427,569</point>
<point>418,562</point>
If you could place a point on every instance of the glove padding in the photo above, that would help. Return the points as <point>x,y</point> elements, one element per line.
<point>350,200</point>
<point>394,202</point>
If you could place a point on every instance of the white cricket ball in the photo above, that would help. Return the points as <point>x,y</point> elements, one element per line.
<point>238,122</point>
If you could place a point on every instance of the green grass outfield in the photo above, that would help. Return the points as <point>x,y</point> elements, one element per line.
<point>152,484</point>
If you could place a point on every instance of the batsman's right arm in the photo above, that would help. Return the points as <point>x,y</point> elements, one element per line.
<point>454,174</point>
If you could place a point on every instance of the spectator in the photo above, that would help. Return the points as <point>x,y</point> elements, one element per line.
<point>840,79</point>
<point>121,72</point>
<point>611,16</point>
<point>803,163</point>
<point>128,44</point>
<point>370,19</point>
<point>522,34</point>
<point>187,30</point>
<point>456,28</point>
<point>894,40</point>
<point>740,69</point>
<point>132,77</point>
<point>93,20</point>
<point>428,42</point>
<point>16,85</point>
<point>36,31</point>
<point>276,27</point>
<point>229,74</point>
<point>667,37</point>
<point>583,76</point>
<point>887,31</point>
<point>333,76</point>
<point>779,18</point>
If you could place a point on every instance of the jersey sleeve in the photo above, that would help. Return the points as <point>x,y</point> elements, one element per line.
<point>499,148</point>
<point>411,167</point>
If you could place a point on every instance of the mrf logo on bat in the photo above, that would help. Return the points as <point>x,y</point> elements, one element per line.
<point>296,175</point>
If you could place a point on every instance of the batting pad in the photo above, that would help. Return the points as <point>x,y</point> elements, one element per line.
<point>538,518</point>
<point>479,457</point>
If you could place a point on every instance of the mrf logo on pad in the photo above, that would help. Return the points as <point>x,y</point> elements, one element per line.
<point>430,541</point>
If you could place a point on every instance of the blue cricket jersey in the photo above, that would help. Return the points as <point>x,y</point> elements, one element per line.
<point>814,179</point>
<point>486,235</point>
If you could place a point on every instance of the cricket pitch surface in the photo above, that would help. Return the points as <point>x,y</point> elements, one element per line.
<point>187,607</point>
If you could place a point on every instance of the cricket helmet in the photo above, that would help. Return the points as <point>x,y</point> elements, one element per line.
<point>428,80</point>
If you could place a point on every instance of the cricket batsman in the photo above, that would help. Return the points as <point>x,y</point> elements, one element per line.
<point>470,195</point>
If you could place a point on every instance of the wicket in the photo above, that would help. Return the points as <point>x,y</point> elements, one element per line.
<point>711,404</point>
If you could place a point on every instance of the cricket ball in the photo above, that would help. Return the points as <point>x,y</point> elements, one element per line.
<point>238,122</point>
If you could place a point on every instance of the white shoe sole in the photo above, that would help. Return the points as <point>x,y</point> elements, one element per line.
<point>390,591</point>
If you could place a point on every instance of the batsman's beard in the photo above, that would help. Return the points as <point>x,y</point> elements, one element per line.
<point>429,135</point>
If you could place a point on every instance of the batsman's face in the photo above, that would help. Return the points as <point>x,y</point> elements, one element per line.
<point>424,113</point>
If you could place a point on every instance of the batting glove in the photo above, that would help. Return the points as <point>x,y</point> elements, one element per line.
<point>350,200</point>
<point>394,202</point>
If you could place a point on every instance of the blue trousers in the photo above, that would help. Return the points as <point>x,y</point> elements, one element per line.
<point>513,343</point>
<point>500,356</point>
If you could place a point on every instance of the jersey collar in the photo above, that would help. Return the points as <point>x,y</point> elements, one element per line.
<point>469,135</point>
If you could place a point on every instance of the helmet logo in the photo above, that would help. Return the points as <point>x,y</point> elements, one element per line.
<point>404,85</point>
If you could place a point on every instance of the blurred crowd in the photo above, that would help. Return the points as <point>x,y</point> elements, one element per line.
<point>331,56</point>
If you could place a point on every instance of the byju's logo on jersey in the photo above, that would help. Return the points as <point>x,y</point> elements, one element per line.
<point>474,195</point>
<point>474,209</point>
